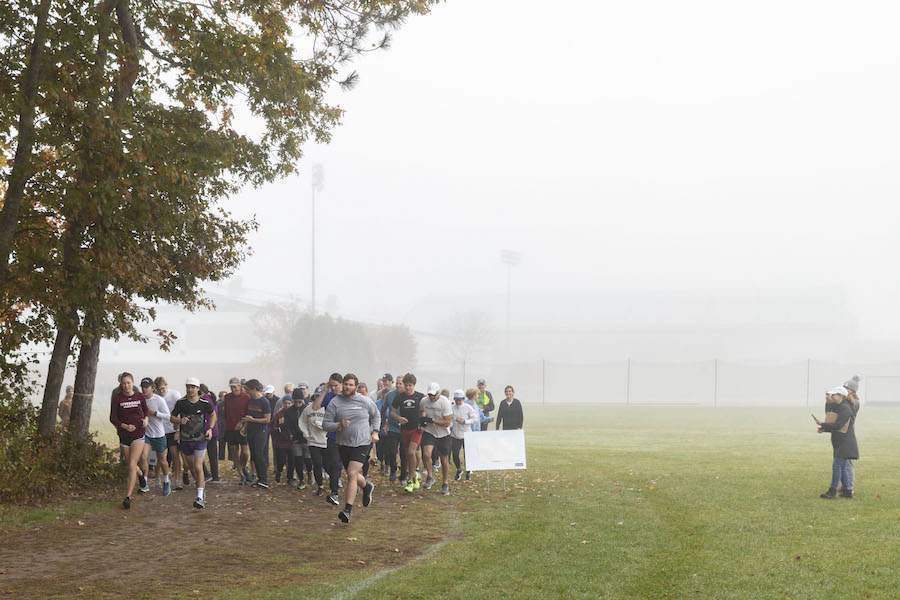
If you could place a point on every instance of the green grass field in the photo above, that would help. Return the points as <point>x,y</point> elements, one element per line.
<point>648,502</point>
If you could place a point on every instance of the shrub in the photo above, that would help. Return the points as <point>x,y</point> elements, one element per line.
<point>33,467</point>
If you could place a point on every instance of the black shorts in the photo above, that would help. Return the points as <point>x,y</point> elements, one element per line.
<point>170,440</point>
<point>235,437</point>
<point>442,445</point>
<point>358,454</point>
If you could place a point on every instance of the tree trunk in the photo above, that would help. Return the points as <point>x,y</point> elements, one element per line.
<point>85,380</point>
<point>56,371</point>
<point>21,168</point>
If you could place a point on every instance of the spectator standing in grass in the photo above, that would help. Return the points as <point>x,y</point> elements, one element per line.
<point>259,413</point>
<point>65,406</point>
<point>128,412</point>
<point>838,417</point>
<point>510,411</point>
<point>436,437</point>
<point>852,386</point>
<point>355,419</point>
<point>174,457</point>
<point>155,440</point>
<point>484,399</point>
<point>190,420</point>
<point>464,417</point>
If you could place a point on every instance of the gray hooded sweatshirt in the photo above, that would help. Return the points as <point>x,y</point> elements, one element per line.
<point>363,415</point>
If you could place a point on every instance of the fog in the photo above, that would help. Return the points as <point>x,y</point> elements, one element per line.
<point>691,181</point>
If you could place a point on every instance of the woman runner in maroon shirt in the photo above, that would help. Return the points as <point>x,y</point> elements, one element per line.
<point>128,412</point>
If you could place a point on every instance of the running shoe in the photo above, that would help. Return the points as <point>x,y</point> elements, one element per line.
<point>416,483</point>
<point>301,485</point>
<point>252,478</point>
<point>333,499</point>
<point>429,481</point>
<point>410,487</point>
<point>445,489</point>
<point>277,477</point>
<point>214,480</point>
<point>167,488</point>
<point>242,480</point>
<point>458,475</point>
<point>198,503</point>
<point>262,484</point>
<point>367,493</point>
<point>144,488</point>
<point>469,476</point>
<point>142,482</point>
<point>127,502</point>
<point>207,479</point>
<point>185,478</point>
<point>403,483</point>
<point>178,485</point>
<point>344,516</point>
<point>320,491</point>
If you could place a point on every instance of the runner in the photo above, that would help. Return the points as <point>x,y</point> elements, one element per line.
<point>258,415</point>
<point>235,409</point>
<point>189,417</point>
<point>355,418</point>
<point>464,417</point>
<point>407,409</point>
<point>386,386</point>
<point>390,427</point>
<point>281,442</point>
<point>174,457</point>
<point>299,449</point>
<point>332,455</point>
<point>436,437</point>
<point>212,447</point>
<point>159,414</point>
<point>311,430</point>
<point>128,412</point>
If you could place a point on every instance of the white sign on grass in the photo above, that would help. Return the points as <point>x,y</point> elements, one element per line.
<point>495,450</point>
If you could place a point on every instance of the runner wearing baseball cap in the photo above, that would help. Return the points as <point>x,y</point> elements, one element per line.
<point>436,437</point>
<point>189,418</point>
<point>238,446</point>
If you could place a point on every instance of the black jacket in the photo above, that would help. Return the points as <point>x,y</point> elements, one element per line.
<point>844,444</point>
<point>292,423</point>
<point>511,413</point>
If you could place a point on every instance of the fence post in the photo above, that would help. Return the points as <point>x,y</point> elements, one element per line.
<point>628,383</point>
<point>543,381</point>
<point>715,382</point>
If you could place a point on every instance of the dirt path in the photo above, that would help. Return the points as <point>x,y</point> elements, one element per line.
<point>244,536</point>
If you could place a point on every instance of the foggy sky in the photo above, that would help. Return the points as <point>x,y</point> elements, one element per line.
<point>644,147</point>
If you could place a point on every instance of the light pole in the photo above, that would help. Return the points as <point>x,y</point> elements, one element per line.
<point>317,184</point>
<point>511,259</point>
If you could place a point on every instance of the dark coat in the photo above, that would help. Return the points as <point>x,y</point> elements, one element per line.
<point>844,444</point>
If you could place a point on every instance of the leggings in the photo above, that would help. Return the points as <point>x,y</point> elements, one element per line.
<point>284,457</point>
<point>391,447</point>
<point>318,459</point>
<point>333,465</point>
<point>455,446</point>
<point>213,460</point>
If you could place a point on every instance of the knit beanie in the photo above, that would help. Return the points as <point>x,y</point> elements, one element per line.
<point>853,383</point>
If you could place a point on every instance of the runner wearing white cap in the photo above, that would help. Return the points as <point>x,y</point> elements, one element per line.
<point>464,416</point>
<point>436,437</point>
<point>189,419</point>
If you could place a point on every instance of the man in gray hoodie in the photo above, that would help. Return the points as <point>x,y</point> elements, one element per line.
<point>356,420</point>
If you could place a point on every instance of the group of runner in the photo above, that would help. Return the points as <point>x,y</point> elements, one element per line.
<point>312,436</point>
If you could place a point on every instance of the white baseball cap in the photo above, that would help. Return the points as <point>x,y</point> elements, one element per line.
<point>192,381</point>
<point>458,394</point>
<point>270,389</point>
<point>434,389</point>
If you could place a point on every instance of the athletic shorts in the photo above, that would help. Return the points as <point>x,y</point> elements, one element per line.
<point>441,444</point>
<point>235,437</point>
<point>157,444</point>
<point>189,448</point>
<point>410,435</point>
<point>124,441</point>
<point>170,440</point>
<point>354,453</point>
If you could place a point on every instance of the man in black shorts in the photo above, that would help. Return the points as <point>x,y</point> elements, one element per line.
<point>235,410</point>
<point>356,420</point>
<point>436,437</point>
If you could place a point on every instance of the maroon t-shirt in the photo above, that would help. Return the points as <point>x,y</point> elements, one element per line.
<point>130,411</point>
<point>235,410</point>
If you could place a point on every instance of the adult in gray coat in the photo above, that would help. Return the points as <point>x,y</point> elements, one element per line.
<point>843,437</point>
<point>356,420</point>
